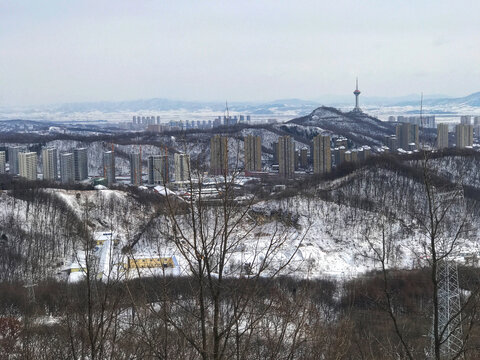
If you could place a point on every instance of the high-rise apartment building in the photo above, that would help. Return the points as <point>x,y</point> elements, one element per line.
<point>275,152</point>
<point>49,164</point>
<point>391,142</point>
<point>322,157</point>
<point>27,165</point>
<point>466,120</point>
<point>304,158</point>
<point>158,169</point>
<point>135,169</point>
<point>80,163</point>
<point>463,135</point>
<point>442,136</point>
<point>182,167</point>
<point>2,162</point>
<point>253,153</point>
<point>13,152</point>
<point>286,157</point>
<point>476,126</point>
<point>109,167</point>
<point>67,168</point>
<point>219,155</point>
<point>407,134</point>
<point>339,154</point>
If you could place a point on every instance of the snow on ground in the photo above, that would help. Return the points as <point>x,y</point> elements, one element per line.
<point>320,238</point>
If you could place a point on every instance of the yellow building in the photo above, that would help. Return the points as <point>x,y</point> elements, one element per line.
<point>153,262</point>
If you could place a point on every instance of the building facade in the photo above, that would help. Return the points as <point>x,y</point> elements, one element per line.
<point>109,167</point>
<point>322,157</point>
<point>463,135</point>
<point>2,162</point>
<point>182,167</point>
<point>135,169</point>
<point>67,168</point>
<point>407,134</point>
<point>339,155</point>
<point>286,157</point>
<point>253,153</point>
<point>158,170</point>
<point>80,164</point>
<point>442,136</point>
<point>219,155</point>
<point>27,164</point>
<point>13,152</point>
<point>49,164</point>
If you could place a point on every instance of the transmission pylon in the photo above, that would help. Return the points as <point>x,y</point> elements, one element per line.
<point>449,327</point>
<point>449,312</point>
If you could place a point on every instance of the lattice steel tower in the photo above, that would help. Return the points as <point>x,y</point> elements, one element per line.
<point>449,312</point>
<point>449,326</point>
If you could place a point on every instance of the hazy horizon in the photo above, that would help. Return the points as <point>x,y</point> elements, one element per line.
<point>64,52</point>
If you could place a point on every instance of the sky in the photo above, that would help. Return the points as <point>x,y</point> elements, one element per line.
<point>241,50</point>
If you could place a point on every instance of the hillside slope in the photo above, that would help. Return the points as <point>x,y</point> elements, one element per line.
<point>359,127</point>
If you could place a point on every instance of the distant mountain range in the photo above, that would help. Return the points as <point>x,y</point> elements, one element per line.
<point>469,100</point>
<point>285,107</point>
<point>157,104</point>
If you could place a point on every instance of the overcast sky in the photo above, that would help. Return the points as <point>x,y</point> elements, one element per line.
<point>68,51</point>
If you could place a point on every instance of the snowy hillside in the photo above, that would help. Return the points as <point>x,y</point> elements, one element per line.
<point>359,127</point>
<point>331,228</point>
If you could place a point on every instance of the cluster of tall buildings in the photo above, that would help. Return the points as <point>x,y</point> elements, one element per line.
<point>230,120</point>
<point>407,134</point>
<point>73,166</point>
<point>426,121</point>
<point>406,137</point>
<point>464,132</point>
<point>323,156</point>
<point>219,154</point>
<point>158,168</point>
<point>154,124</point>
<point>145,120</point>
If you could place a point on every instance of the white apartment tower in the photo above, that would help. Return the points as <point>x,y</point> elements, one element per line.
<point>442,136</point>
<point>182,167</point>
<point>158,169</point>
<point>67,168</point>
<point>463,135</point>
<point>49,164</point>
<point>13,152</point>
<point>27,163</point>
